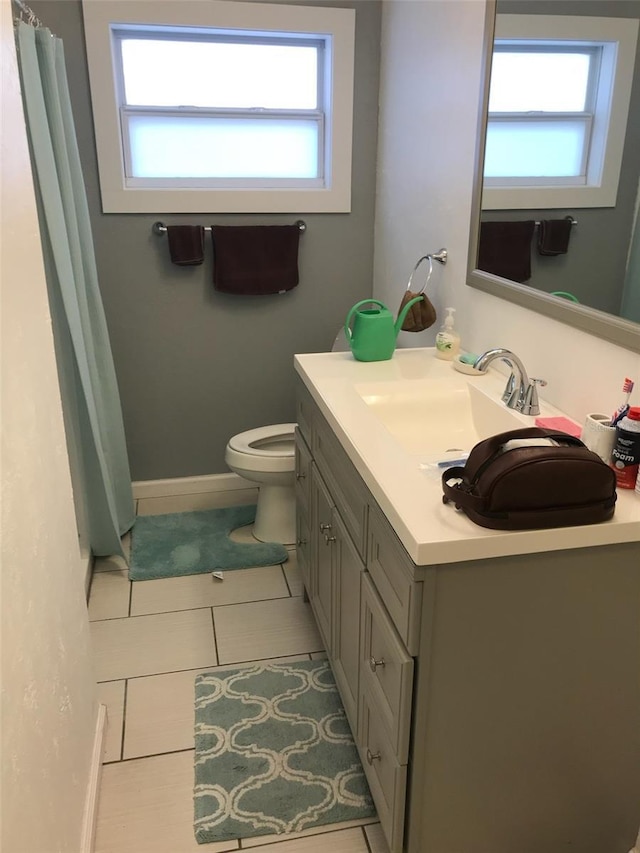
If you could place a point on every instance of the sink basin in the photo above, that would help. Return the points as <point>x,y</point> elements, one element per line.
<point>436,416</point>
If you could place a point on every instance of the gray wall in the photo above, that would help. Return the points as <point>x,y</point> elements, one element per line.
<point>594,267</point>
<point>196,366</point>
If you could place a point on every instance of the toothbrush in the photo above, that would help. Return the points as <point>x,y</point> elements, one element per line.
<point>621,411</point>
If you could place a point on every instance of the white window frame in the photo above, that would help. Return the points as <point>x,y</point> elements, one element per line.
<point>618,39</point>
<point>121,194</point>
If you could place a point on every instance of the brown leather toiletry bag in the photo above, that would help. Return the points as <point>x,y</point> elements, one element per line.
<point>530,487</point>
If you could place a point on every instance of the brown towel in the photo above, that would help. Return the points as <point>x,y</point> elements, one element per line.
<point>553,236</point>
<point>420,316</point>
<point>186,244</point>
<point>505,249</point>
<point>255,260</point>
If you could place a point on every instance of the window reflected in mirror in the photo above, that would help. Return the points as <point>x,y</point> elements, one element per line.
<point>561,170</point>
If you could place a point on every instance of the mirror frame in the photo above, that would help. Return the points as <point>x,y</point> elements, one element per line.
<point>624,333</point>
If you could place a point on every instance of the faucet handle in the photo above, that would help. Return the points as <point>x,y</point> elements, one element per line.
<point>530,405</point>
<point>511,391</point>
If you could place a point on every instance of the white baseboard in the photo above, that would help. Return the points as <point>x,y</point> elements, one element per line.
<point>188,485</point>
<point>93,788</point>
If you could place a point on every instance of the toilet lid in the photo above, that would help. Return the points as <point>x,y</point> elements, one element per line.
<point>273,440</point>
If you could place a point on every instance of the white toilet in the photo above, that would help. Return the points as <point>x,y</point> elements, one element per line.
<point>266,457</point>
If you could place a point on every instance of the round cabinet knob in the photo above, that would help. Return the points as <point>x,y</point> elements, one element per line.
<point>372,756</point>
<point>329,539</point>
<point>374,664</point>
<point>324,527</point>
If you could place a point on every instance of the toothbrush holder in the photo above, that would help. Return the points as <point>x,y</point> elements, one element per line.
<point>598,435</point>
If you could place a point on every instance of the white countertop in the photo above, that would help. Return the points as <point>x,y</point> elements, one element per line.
<point>405,482</point>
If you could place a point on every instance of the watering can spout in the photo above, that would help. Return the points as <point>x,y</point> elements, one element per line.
<point>403,314</point>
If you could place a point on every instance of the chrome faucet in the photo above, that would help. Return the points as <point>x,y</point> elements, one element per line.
<point>520,393</point>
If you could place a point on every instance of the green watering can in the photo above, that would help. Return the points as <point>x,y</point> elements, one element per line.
<point>374,333</point>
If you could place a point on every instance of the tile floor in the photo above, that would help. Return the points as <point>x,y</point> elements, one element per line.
<point>150,640</point>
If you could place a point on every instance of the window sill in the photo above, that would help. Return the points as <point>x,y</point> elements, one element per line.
<point>540,198</point>
<point>226,201</point>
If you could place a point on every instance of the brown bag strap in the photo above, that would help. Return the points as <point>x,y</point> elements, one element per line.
<point>456,493</point>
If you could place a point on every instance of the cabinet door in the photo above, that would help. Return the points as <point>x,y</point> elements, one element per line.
<point>386,777</point>
<point>303,511</point>
<point>303,548</point>
<point>305,410</point>
<point>386,671</point>
<point>322,537</point>
<point>303,471</point>
<point>348,568</point>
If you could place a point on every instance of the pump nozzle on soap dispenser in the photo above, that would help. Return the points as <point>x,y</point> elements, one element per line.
<point>447,339</point>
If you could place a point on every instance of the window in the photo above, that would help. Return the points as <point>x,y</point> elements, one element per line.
<point>246,110</point>
<point>557,111</point>
<point>540,113</point>
<point>231,110</point>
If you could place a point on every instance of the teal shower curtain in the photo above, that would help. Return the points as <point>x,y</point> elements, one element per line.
<point>93,415</point>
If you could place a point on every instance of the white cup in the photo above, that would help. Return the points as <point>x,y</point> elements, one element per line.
<point>599,435</point>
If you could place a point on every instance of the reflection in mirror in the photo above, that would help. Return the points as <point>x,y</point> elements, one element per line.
<point>526,249</point>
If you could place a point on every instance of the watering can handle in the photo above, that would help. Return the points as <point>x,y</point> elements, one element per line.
<point>347,330</point>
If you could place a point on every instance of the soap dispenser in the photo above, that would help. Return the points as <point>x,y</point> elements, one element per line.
<point>447,339</point>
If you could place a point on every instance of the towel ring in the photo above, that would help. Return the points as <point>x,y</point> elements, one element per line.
<point>413,272</point>
<point>440,256</point>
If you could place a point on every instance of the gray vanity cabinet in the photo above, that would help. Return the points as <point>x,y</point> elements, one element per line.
<point>495,703</point>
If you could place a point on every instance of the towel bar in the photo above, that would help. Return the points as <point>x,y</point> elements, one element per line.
<point>160,228</point>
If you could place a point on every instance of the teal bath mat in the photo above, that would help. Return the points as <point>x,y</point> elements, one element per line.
<point>193,543</point>
<point>274,753</point>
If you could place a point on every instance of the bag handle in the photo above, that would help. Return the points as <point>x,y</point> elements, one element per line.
<point>487,448</point>
<point>495,441</point>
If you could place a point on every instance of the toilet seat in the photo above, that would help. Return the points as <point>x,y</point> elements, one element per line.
<point>268,448</point>
<point>273,440</point>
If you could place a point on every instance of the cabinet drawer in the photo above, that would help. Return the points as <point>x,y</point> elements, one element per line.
<point>386,669</point>
<point>391,569</point>
<point>386,777</point>
<point>344,482</point>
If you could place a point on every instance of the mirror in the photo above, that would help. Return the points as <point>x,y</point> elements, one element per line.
<point>590,256</point>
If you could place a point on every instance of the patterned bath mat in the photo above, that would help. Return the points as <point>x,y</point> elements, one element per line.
<point>192,543</point>
<point>274,753</point>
